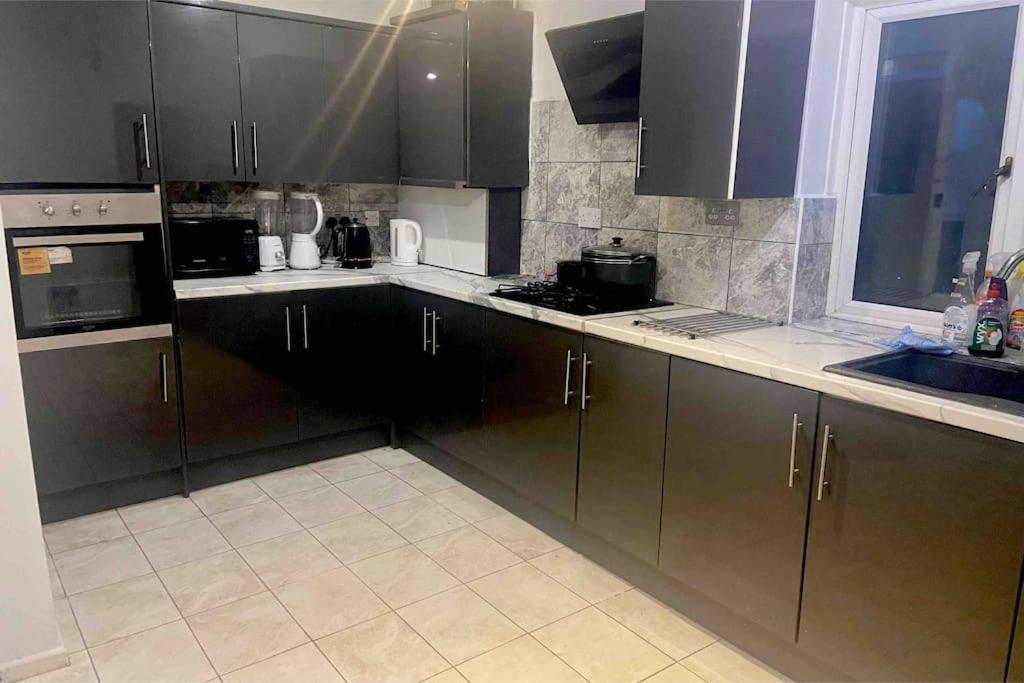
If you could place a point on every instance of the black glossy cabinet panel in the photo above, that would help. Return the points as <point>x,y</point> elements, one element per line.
<point>914,552</point>
<point>734,522</point>
<point>361,94</point>
<point>622,446</point>
<point>532,409</point>
<point>282,71</point>
<point>101,413</point>
<point>77,84</point>
<point>195,66</point>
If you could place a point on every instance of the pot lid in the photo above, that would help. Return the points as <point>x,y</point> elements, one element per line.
<point>614,250</point>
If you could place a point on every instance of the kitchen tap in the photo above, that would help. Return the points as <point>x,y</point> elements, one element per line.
<point>1011,265</point>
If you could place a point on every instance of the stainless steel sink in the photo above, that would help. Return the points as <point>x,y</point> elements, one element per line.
<point>977,381</point>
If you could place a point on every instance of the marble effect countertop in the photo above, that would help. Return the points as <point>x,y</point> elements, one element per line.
<point>793,354</point>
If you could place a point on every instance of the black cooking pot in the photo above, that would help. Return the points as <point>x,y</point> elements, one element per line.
<point>619,270</point>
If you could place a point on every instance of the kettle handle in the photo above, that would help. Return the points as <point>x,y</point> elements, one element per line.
<point>419,234</point>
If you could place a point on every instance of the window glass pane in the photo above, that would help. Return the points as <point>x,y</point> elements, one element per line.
<point>936,134</point>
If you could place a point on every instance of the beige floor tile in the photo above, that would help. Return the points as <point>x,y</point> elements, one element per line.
<point>721,663</point>
<point>357,537</point>
<point>580,575</point>
<point>390,458</point>
<point>329,602</point>
<point>288,558</point>
<point>345,467</point>
<point>459,624</point>
<point>286,482</point>
<point>255,523</point>
<point>167,654</point>
<point>448,676</point>
<point>677,673</point>
<point>468,553</point>
<point>236,494</point>
<point>245,632</point>
<point>667,630</point>
<point>56,587</point>
<point>403,576</point>
<point>122,609</point>
<point>82,531</point>
<point>100,565</point>
<point>424,477</point>
<point>527,596</point>
<point>378,490</point>
<point>524,660</point>
<point>80,671</point>
<point>419,518</point>
<point>154,514</point>
<point>383,650</point>
<point>304,664</point>
<point>210,582</point>
<point>180,543</point>
<point>523,539</point>
<point>69,632</point>
<point>319,506</point>
<point>467,503</point>
<point>602,649</point>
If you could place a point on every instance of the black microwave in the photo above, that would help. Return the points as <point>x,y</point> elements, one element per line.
<point>214,247</point>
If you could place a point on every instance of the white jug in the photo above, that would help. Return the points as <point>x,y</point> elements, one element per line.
<point>406,239</point>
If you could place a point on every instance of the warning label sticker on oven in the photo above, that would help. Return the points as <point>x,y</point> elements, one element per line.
<point>34,261</point>
<point>59,255</point>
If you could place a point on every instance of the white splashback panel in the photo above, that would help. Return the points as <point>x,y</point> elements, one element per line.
<point>454,225</point>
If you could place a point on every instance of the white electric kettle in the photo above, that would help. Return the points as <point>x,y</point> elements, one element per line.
<point>304,253</point>
<point>406,239</point>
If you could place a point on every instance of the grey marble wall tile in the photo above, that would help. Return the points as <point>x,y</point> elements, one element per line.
<point>540,119</point>
<point>380,239</point>
<point>190,209</point>
<point>535,196</point>
<point>760,279</point>
<point>618,141</point>
<point>686,215</point>
<point>568,141</point>
<point>372,197</point>
<point>620,207</point>
<point>819,220</point>
<point>771,220</point>
<point>571,187</point>
<point>641,240</point>
<point>531,252</point>
<point>811,290</point>
<point>334,195</point>
<point>693,269</point>
<point>564,241</point>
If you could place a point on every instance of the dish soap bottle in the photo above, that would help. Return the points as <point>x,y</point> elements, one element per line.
<point>958,318</point>
<point>989,336</point>
<point>1015,327</point>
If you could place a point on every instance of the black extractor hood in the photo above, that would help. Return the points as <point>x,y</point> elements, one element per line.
<point>599,63</point>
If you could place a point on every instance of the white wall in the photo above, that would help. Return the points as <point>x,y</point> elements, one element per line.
<point>370,11</point>
<point>28,627</point>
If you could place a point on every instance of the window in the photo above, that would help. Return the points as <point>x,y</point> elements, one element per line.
<point>935,108</point>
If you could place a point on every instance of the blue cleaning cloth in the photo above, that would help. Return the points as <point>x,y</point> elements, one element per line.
<point>908,339</point>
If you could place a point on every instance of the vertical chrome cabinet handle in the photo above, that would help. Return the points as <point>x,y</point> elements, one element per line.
<point>426,317</point>
<point>288,328</point>
<point>568,371</point>
<point>234,146</point>
<point>639,145</point>
<point>145,138</point>
<point>255,150</point>
<point>793,471</point>
<point>163,376</point>
<point>305,328</point>
<point>824,460</point>
<point>583,382</point>
<point>434,346</point>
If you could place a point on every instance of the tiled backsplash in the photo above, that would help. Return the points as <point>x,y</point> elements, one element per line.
<point>581,193</point>
<point>352,200</point>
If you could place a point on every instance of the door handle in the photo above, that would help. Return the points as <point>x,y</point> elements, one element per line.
<point>426,317</point>
<point>583,382</point>
<point>433,333</point>
<point>568,370</point>
<point>288,328</point>
<point>255,150</point>
<point>639,146</point>
<point>163,377</point>
<point>234,146</point>
<point>793,471</point>
<point>305,328</point>
<point>145,139</point>
<point>824,459</point>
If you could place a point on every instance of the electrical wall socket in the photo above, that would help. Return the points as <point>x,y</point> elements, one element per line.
<point>372,218</point>
<point>589,217</point>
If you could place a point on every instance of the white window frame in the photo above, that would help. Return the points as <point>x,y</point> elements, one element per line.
<point>851,130</point>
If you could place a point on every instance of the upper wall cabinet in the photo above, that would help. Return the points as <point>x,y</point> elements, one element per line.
<point>195,64</point>
<point>722,96</point>
<point>77,103</point>
<point>464,80</point>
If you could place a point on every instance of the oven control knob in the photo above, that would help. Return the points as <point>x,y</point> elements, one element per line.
<point>104,207</point>
<point>48,209</point>
<point>76,208</point>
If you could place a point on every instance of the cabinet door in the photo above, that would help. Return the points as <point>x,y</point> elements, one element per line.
<point>341,371</point>
<point>76,82</point>
<point>282,68</point>
<point>101,413</point>
<point>236,366</point>
<point>195,64</point>
<point>531,409</point>
<point>914,550</point>
<point>361,91</point>
<point>432,99</point>
<point>688,96</point>
<point>410,349</point>
<point>622,446</point>
<point>734,519</point>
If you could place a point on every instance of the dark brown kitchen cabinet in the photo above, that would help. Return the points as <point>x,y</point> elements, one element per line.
<point>77,103</point>
<point>738,459</point>
<point>102,412</point>
<point>532,409</point>
<point>622,445</point>
<point>195,68</point>
<point>914,548</point>
<point>281,63</point>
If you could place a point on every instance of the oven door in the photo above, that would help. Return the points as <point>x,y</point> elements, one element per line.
<point>69,280</point>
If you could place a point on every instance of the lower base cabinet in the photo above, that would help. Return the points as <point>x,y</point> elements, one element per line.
<point>914,548</point>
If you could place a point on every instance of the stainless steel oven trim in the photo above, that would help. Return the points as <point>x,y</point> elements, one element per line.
<point>71,240</point>
<point>54,210</point>
<point>68,341</point>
